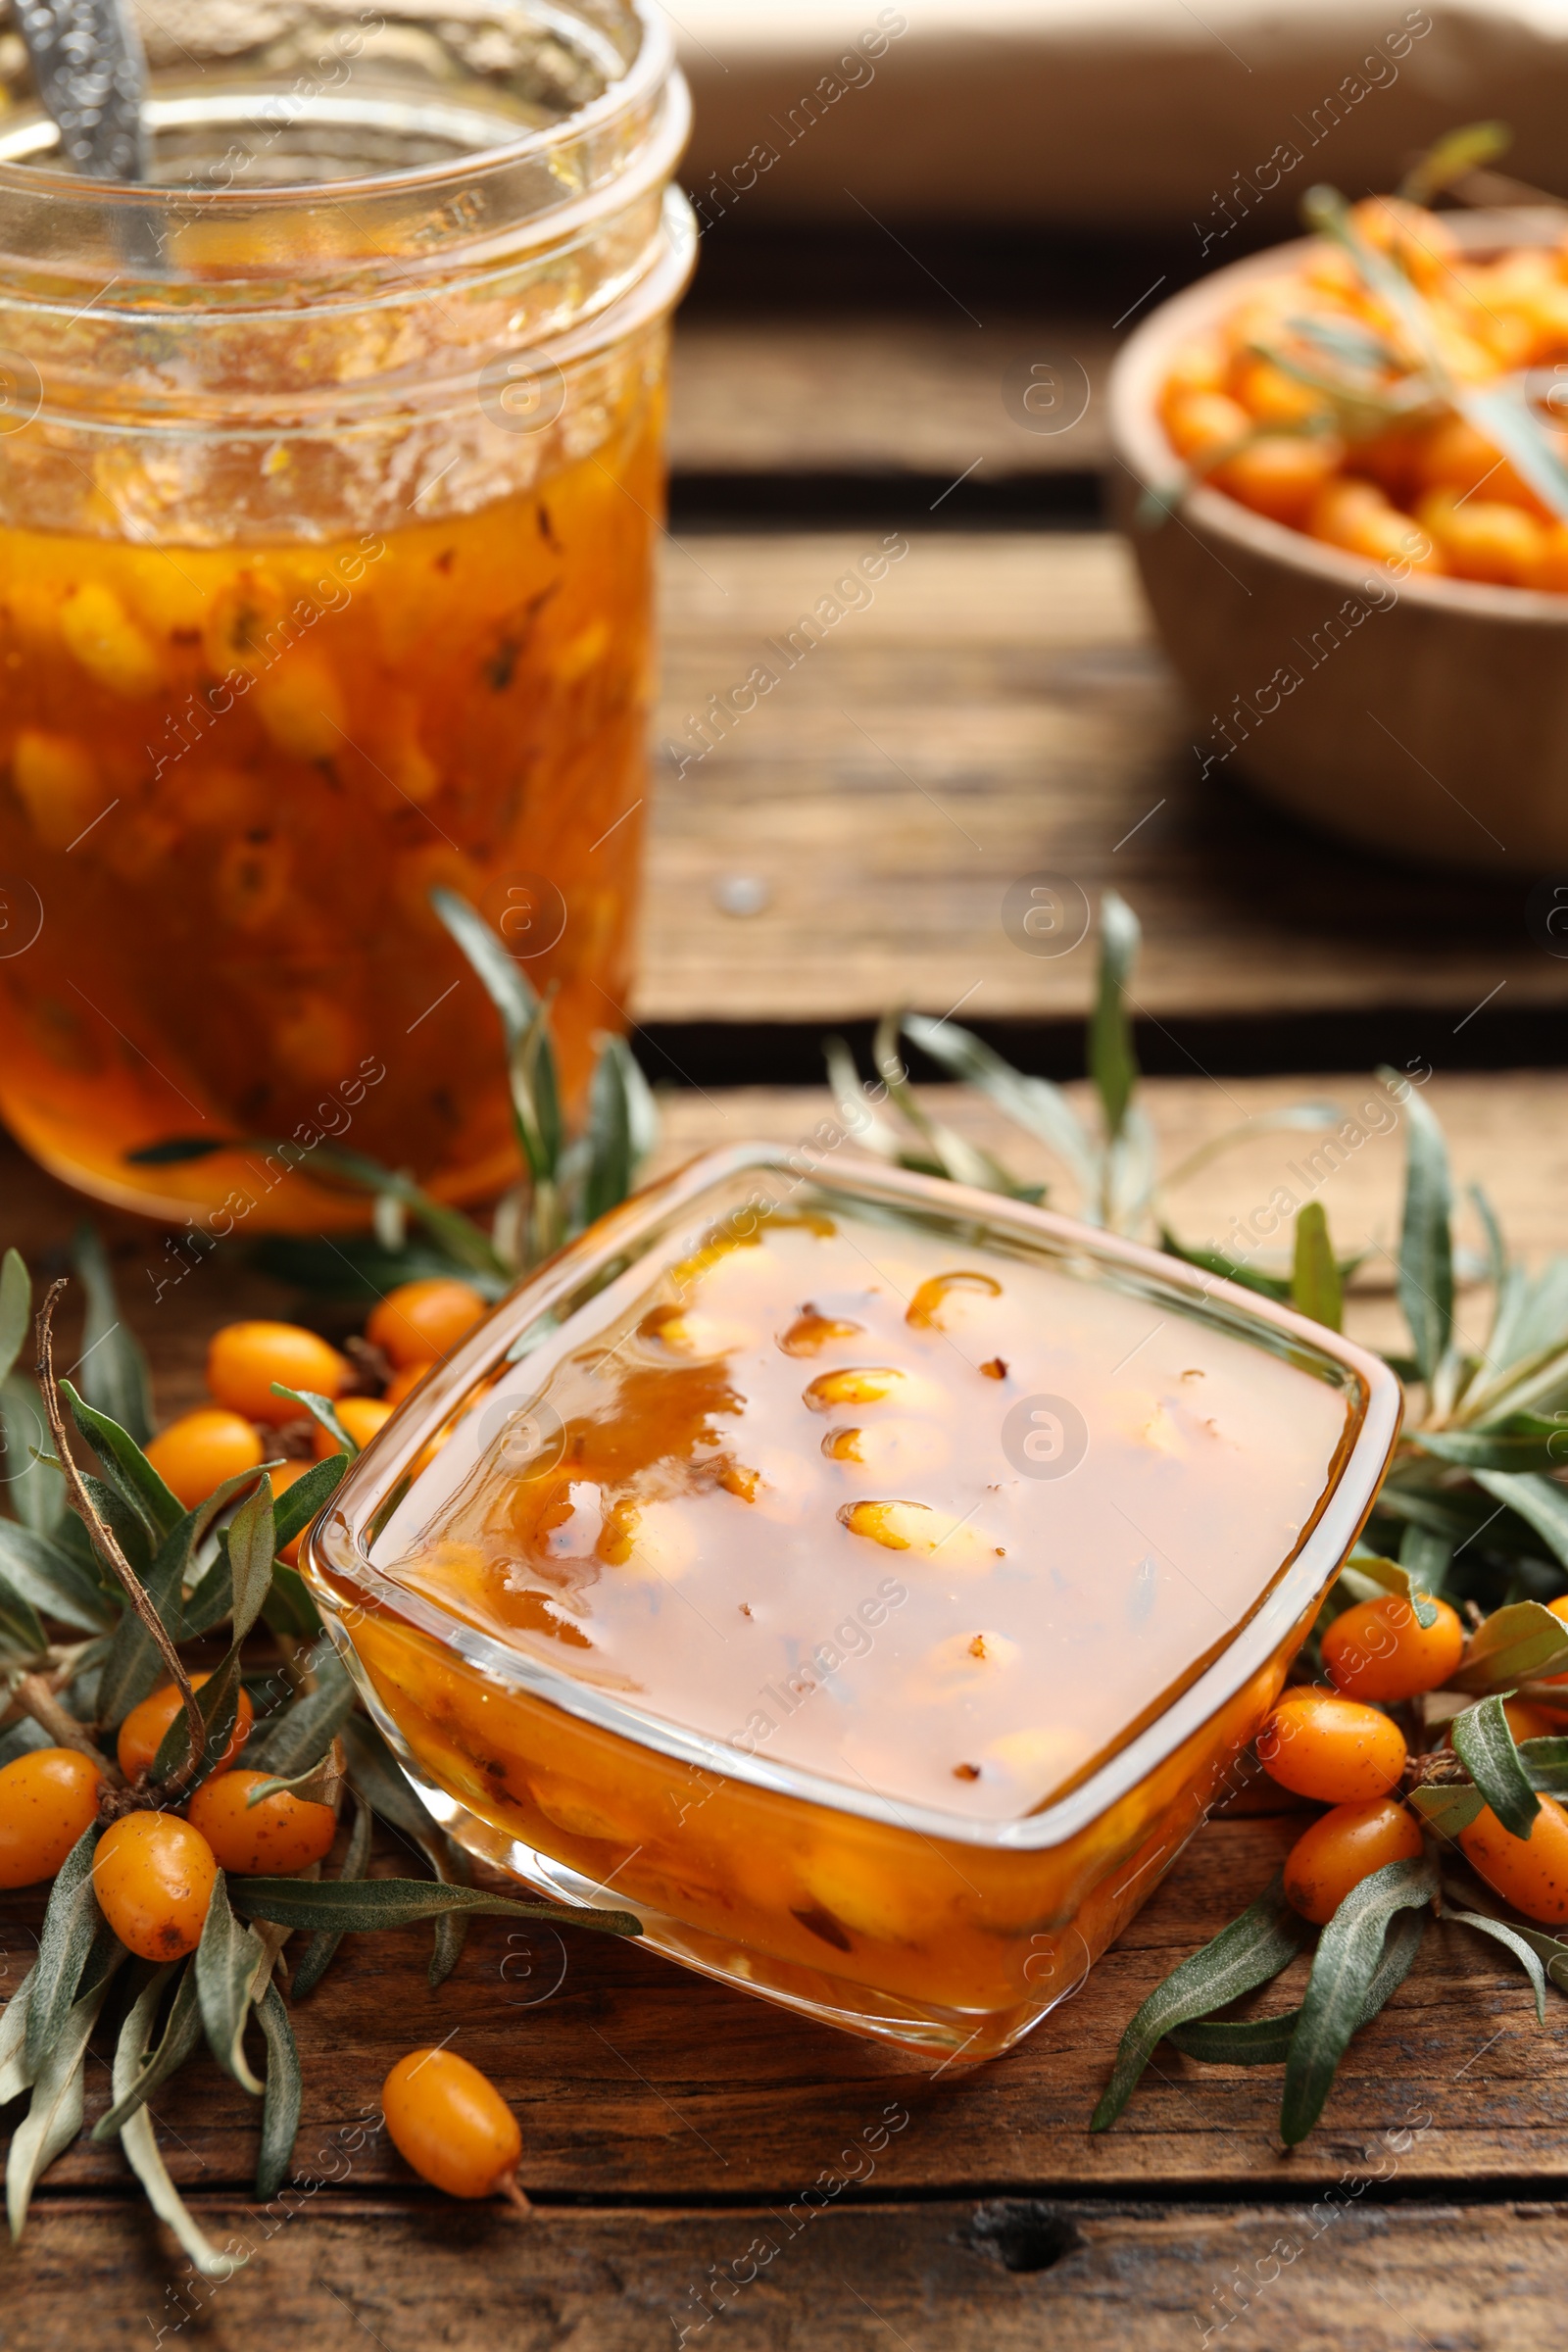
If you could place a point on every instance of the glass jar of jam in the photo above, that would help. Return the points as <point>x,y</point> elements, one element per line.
<point>329,480</point>
<point>871,1583</point>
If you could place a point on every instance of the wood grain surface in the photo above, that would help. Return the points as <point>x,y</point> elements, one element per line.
<point>993,709</point>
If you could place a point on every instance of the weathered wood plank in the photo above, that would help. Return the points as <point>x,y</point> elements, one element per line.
<point>890,395</point>
<point>1351,2278</point>
<point>992,707</point>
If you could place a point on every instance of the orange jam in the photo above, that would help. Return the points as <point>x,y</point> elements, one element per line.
<point>233,777</point>
<point>815,1560</point>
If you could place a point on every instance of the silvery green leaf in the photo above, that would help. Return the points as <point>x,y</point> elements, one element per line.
<point>957,1159</point>
<point>113,1367</point>
<point>307,1498</point>
<point>1446,1807</point>
<point>1426,1243</point>
<point>125,1464</point>
<point>1452,157</point>
<point>34,1487</point>
<point>1426,1559</point>
<point>71,1922</point>
<point>15,2075</point>
<point>1511,1940</point>
<point>1112,1062</point>
<point>1251,1950</point>
<point>1544,1446</point>
<point>1485,1745</point>
<point>280,2104</point>
<point>1315,1286</point>
<point>1266,2040</point>
<point>322,1409</point>
<point>16,1309</point>
<point>849,1101</point>
<point>1368,1573</point>
<point>317,1954</point>
<point>1349,1953</point>
<point>1539,1500</point>
<point>1514,1644</point>
<point>373,1904</point>
<point>218,1704</point>
<point>47,1576</point>
<point>135,1665</point>
<point>55,2110</point>
<point>252,1547</point>
<point>226,1960</point>
<point>1546,1762</point>
<point>182,2030</point>
<point>139,2145</point>
<point>23,1641</point>
<point>300,1735</point>
<point>1032,1103</point>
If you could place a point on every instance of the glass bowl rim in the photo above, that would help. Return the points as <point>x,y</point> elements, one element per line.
<point>332,1557</point>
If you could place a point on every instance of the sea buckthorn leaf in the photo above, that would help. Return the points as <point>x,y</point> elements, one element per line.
<point>376,1772</point>
<point>1315,1286</point>
<point>1446,1807</point>
<point>281,2100</point>
<point>114,1369</point>
<point>1512,1645</point>
<point>135,1665</point>
<point>1508,1449</point>
<point>1538,1501</point>
<point>1369,1573</point>
<point>218,1703</point>
<point>1426,1558</point>
<point>35,1488</point>
<point>71,1924</point>
<point>289,1608</point>
<point>227,1958</point>
<point>290,1741</point>
<point>1546,1763</point>
<point>307,1498</point>
<point>21,1735</point>
<point>15,2075</point>
<point>1452,157</point>
<point>611,1161</point>
<point>1344,1967</point>
<point>139,2145</point>
<point>1485,1744</point>
<point>452,1867</point>
<point>459,1236</point>
<point>1112,1062</point>
<point>175,1149</point>
<point>1228,1269</point>
<point>1550,1950</point>
<point>322,1409</point>
<point>359,1268</point>
<point>46,1575</point>
<point>951,1154</point>
<point>404,1902</point>
<point>1426,1243</point>
<point>183,2030</point>
<point>16,1309</point>
<point>1513,1941</point>
<point>131,1531</point>
<point>1033,1103</point>
<point>22,1638</point>
<point>317,1954</point>
<point>252,1548</point>
<point>124,1464</point>
<point>55,2110</point>
<point>1251,1950</point>
<point>1266,2040</point>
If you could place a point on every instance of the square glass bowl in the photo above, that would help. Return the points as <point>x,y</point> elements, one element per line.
<point>868,1580</point>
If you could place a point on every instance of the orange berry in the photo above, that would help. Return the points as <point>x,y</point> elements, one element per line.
<point>360,1416</point>
<point>152,1876</point>
<point>1343,1848</point>
<point>47,1798</point>
<point>1270,396</point>
<point>1424,246</point>
<point>245,1359</point>
<point>450,2124</point>
<point>280,1481</point>
<point>421,1321</point>
<point>1484,539</point>
<point>141,1735</point>
<point>1454,455</point>
<point>1549,571</point>
<point>282,1834</point>
<point>1280,475</point>
<point>1199,421</point>
<point>196,1452</point>
<point>1201,366</point>
<point>1333,1748</point>
<point>1531,1723</point>
<point>1379,1651</point>
<point>1531,1873</point>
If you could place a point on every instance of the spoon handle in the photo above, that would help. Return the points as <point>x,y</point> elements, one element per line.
<point>91,75</point>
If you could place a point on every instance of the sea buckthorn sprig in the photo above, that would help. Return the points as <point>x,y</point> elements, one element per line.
<point>185,1813</point>
<point>1395,395</point>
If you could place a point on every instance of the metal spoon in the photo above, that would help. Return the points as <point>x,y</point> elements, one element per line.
<point>91,72</point>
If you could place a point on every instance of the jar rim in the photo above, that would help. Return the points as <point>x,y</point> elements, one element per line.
<point>650,67</point>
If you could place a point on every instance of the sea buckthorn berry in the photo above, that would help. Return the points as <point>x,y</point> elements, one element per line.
<point>1531,1723</point>
<point>245,1359</point>
<point>1531,1873</point>
<point>1335,1749</point>
<point>152,1876</point>
<point>282,1834</point>
<point>1380,1650</point>
<point>450,2124</point>
<point>195,1453</point>
<point>1201,421</point>
<point>360,1416</point>
<point>419,1322</point>
<point>47,1798</point>
<point>280,1479</point>
<point>1484,539</point>
<point>1343,1848</point>
<point>141,1735</point>
<point>1281,475</point>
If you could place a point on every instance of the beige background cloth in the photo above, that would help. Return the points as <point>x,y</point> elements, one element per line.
<point>1137,114</point>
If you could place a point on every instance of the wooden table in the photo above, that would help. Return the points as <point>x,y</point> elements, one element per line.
<point>996,710</point>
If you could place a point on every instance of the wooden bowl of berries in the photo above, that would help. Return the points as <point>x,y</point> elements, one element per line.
<point>1343,472</point>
